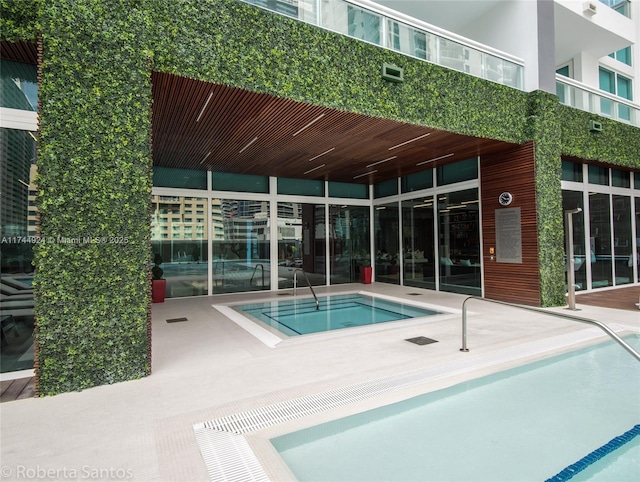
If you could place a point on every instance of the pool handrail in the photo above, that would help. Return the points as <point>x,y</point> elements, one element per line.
<point>567,316</point>
<point>261,266</point>
<point>295,285</point>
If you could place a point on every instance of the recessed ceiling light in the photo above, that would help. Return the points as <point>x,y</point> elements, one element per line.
<point>380,162</point>
<point>250,142</point>
<point>320,155</point>
<point>365,174</point>
<point>309,124</point>
<point>315,168</point>
<point>205,157</point>
<point>410,140</point>
<point>204,106</point>
<point>434,159</point>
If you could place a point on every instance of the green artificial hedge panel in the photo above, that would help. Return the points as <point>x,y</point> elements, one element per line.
<point>618,143</point>
<point>94,162</point>
<point>236,44</point>
<point>544,130</point>
<point>19,19</point>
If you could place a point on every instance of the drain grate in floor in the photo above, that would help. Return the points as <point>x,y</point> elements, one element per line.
<point>415,294</point>
<point>421,340</point>
<point>176,320</point>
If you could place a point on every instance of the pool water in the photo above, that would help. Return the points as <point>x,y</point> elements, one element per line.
<point>526,423</point>
<point>299,316</point>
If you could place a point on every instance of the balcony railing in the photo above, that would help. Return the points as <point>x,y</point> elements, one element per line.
<point>403,34</point>
<point>580,96</point>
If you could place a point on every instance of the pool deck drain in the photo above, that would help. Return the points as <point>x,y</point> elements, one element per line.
<point>177,320</point>
<point>421,340</point>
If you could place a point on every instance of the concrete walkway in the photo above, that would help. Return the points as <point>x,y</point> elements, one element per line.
<point>209,366</point>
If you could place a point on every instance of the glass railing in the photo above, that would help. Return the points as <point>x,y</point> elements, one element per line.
<point>580,96</point>
<point>411,37</point>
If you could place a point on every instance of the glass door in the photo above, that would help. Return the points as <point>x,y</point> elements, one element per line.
<point>349,242</point>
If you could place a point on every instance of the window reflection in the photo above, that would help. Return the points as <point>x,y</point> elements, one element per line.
<point>240,245</point>
<point>600,240</point>
<point>459,242</point>
<point>349,242</point>
<point>387,259</point>
<point>419,243</point>
<point>572,200</point>
<point>179,230</point>
<point>17,229</point>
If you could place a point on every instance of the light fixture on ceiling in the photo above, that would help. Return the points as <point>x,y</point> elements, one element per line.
<point>435,159</point>
<point>320,155</point>
<point>365,174</point>
<point>245,147</point>
<point>309,124</point>
<point>425,205</point>
<point>204,106</point>
<point>380,162</point>
<point>205,157</point>
<point>380,208</point>
<point>410,140</point>
<point>315,168</point>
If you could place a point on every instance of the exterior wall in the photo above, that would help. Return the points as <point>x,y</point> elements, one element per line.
<point>512,171</point>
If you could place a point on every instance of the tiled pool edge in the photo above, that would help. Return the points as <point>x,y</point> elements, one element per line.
<point>224,450</point>
<point>271,339</point>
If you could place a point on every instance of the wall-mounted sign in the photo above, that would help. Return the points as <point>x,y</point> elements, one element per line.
<point>505,198</point>
<point>508,235</point>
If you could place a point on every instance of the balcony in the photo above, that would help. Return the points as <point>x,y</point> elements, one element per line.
<point>578,95</point>
<point>397,32</point>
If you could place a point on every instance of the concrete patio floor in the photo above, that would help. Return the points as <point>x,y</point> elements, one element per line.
<point>208,367</point>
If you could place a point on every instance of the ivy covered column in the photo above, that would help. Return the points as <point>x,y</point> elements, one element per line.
<point>544,130</point>
<point>94,165</point>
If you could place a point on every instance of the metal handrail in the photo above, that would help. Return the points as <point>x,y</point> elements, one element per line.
<point>602,326</point>
<point>259,265</point>
<point>295,285</point>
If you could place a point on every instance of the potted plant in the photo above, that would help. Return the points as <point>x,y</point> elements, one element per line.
<point>159,284</point>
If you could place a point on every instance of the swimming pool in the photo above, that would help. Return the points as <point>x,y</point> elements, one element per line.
<point>299,316</point>
<point>525,423</point>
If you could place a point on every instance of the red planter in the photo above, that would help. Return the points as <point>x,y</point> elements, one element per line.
<point>158,290</point>
<point>365,274</point>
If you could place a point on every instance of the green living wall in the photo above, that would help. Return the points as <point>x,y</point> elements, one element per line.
<point>94,161</point>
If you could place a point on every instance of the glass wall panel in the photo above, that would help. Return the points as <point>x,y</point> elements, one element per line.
<point>348,190</point>
<point>598,175</point>
<point>387,229</point>
<point>622,240</point>
<point>637,238</point>
<point>17,231</point>
<point>417,181</point>
<point>419,243</point>
<point>349,242</point>
<point>364,25</point>
<point>620,178</point>
<point>459,242</point>
<point>385,188</point>
<point>19,85</point>
<point>180,178</point>
<point>572,200</point>
<point>179,227</point>
<point>600,240</point>
<point>240,245</point>
<point>457,172</point>
<point>302,187</point>
<point>227,181</point>
<point>301,243</point>
<point>571,171</point>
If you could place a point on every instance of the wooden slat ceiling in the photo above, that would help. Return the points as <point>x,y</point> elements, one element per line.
<point>198,125</point>
<point>250,133</point>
